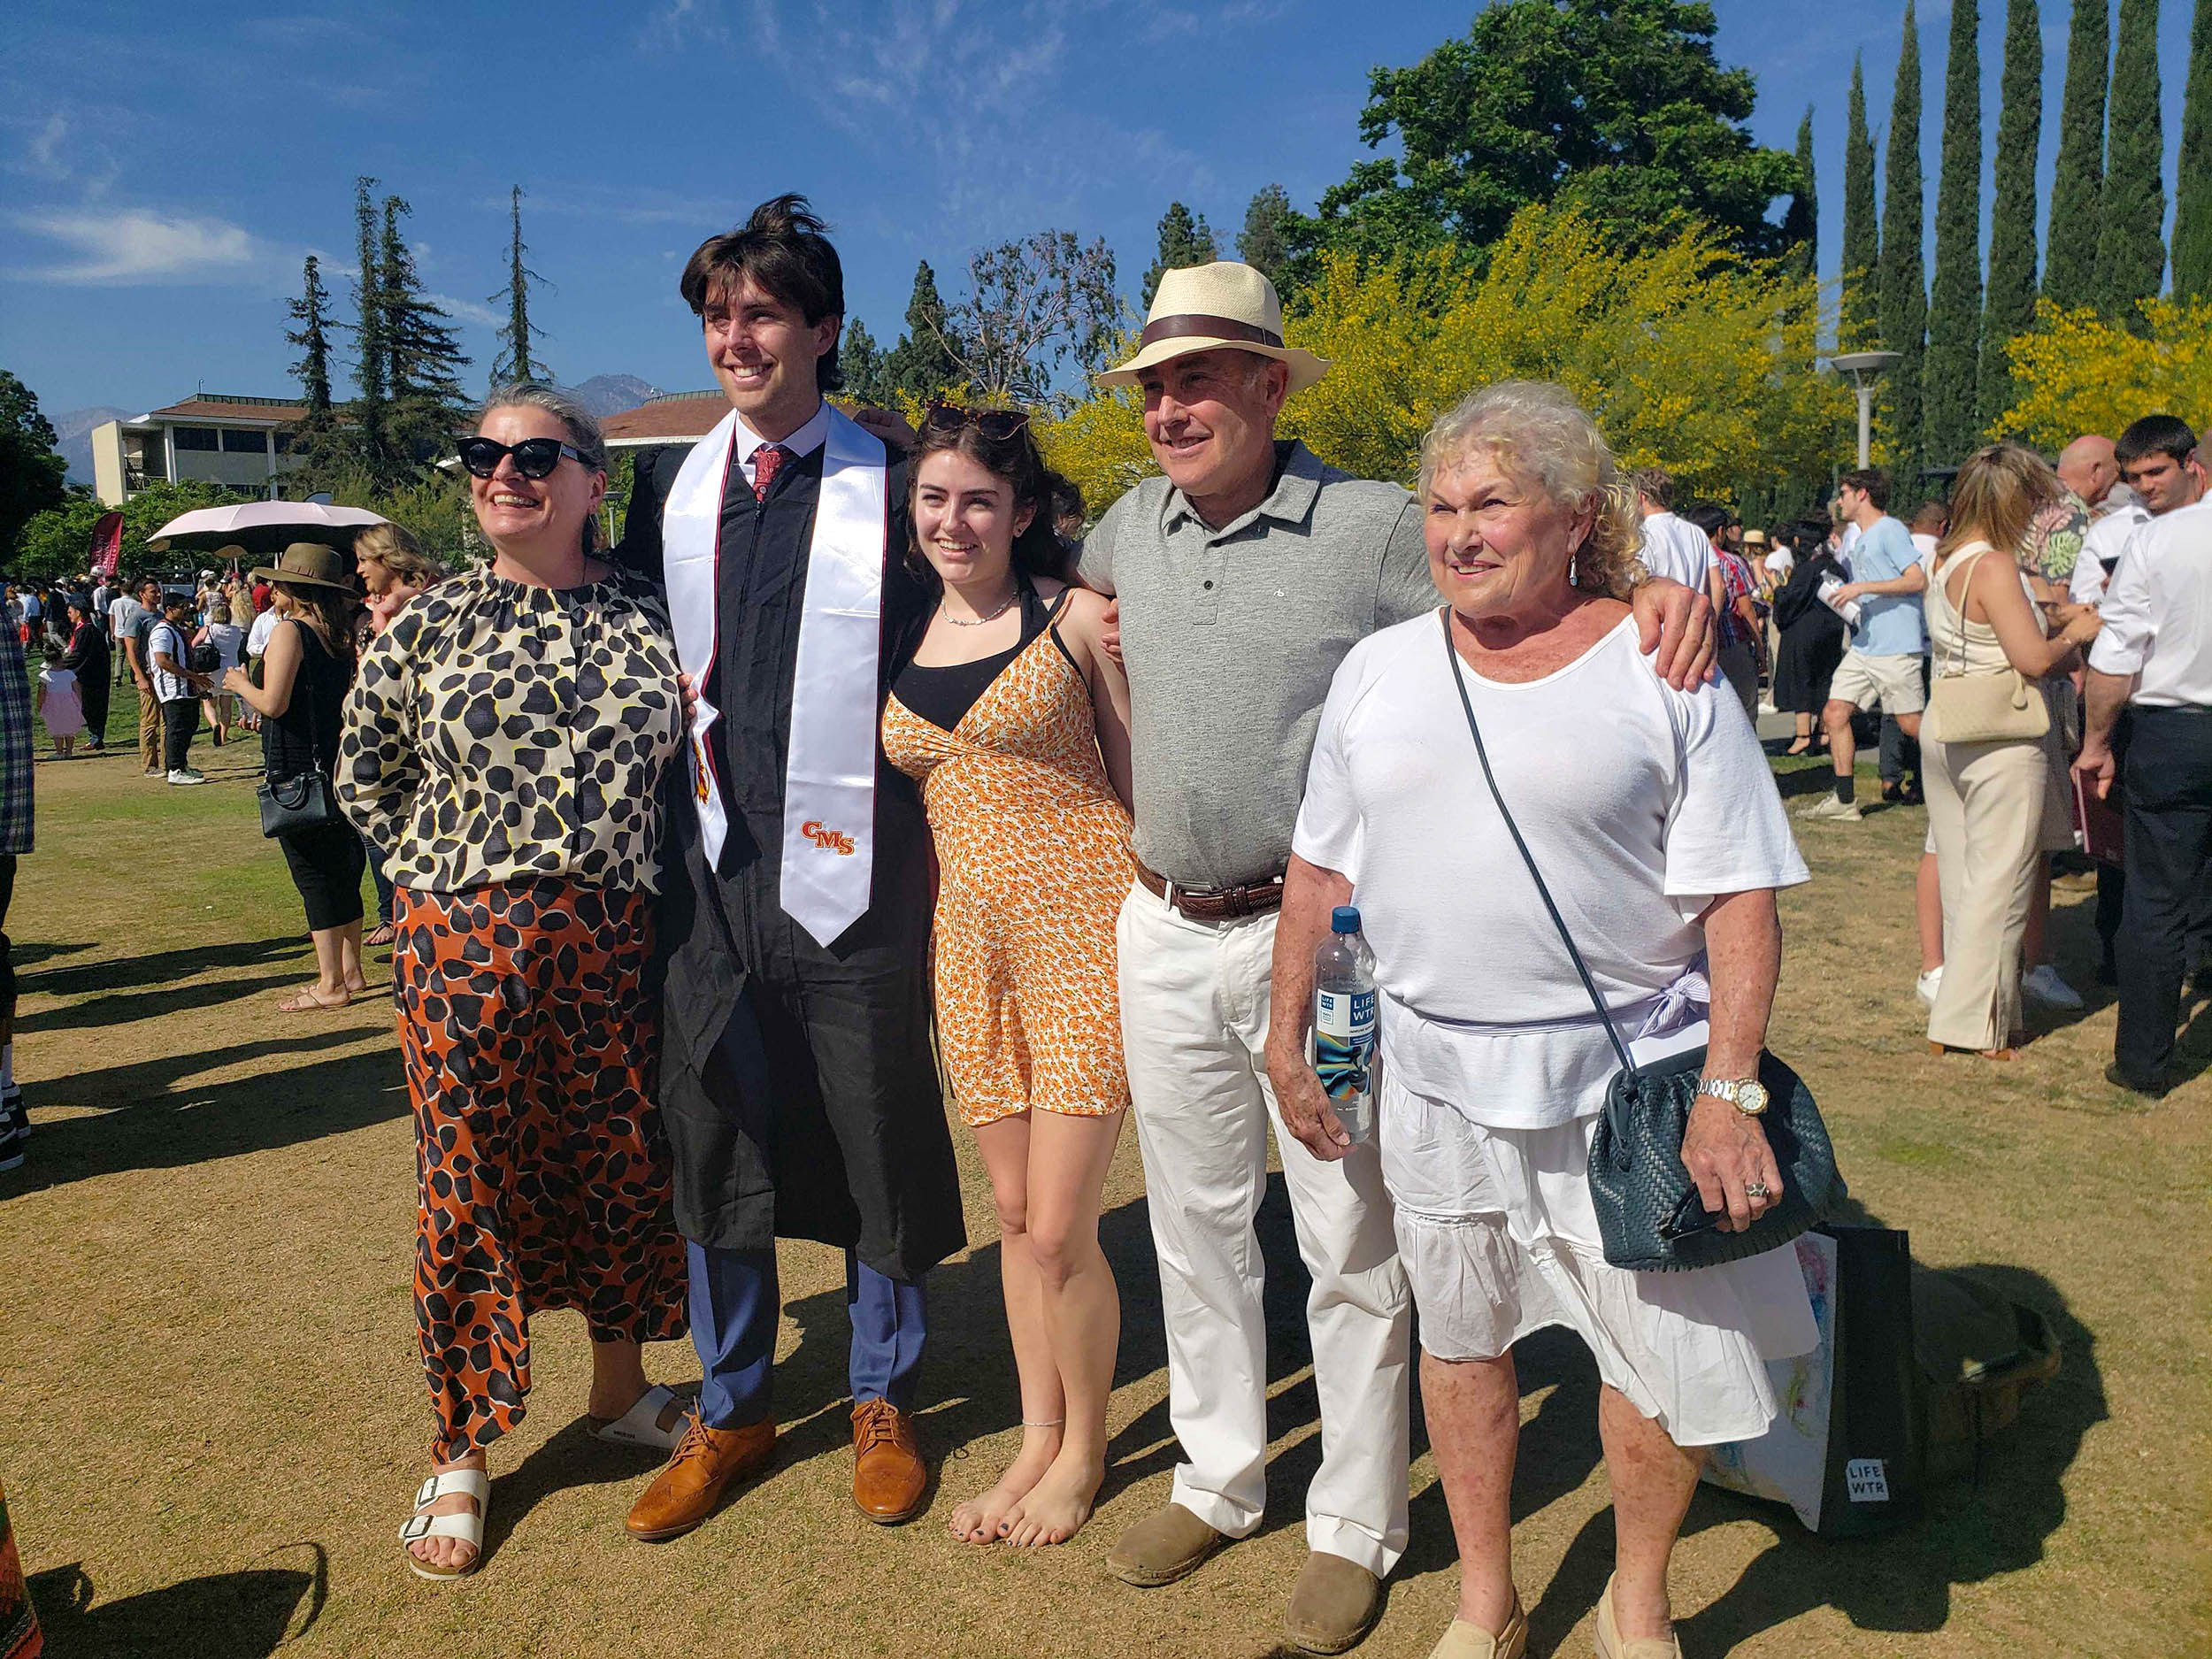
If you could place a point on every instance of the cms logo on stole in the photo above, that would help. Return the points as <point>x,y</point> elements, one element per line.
<point>827,839</point>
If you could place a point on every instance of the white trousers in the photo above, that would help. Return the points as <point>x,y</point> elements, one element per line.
<point>1193,1021</point>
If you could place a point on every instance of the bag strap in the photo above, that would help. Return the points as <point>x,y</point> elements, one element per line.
<point>1958,654</point>
<point>1451,657</point>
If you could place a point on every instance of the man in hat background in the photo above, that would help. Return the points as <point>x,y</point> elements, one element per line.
<point>798,1087</point>
<point>1243,576</point>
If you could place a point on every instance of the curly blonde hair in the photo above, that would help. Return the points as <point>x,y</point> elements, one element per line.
<point>398,552</point>
<point>1540,436</point>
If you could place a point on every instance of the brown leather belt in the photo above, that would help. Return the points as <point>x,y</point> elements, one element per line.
<point>1215,904</point>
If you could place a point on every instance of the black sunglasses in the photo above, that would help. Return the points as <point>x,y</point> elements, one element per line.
<point>997,425</point>
<point>535,458</point>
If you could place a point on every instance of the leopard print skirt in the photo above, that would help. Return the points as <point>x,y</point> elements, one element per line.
<point>529,1041</point>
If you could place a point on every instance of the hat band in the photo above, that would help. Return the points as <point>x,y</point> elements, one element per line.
<point>1192,324</point>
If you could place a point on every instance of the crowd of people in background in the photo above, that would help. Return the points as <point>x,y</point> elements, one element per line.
<point>847,698</point>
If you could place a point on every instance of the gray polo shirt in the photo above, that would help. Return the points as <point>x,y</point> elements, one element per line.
<point>1232,637</point>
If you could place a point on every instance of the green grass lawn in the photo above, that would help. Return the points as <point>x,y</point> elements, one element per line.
<point>214,1417</point>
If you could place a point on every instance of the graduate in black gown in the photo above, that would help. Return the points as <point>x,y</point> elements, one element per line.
<point>799,1090</point>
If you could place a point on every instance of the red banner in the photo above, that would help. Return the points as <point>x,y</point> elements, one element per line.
<point>107,545</point>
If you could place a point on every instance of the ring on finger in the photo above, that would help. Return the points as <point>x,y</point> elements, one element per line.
<point>1757,1192</point>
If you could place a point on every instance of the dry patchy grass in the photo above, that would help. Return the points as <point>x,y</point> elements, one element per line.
<point>214,1416</point>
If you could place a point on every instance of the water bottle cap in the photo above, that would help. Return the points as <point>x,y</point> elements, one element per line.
<point>1344,919</point>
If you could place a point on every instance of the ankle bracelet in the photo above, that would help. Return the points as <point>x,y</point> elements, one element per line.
<point>1055,1424</point>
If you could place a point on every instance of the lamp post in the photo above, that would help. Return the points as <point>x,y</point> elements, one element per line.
<point>1864,368</point>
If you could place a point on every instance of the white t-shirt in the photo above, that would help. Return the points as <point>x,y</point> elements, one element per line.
<point>1677,549</point>
<point>229,639</point>
<point>167,637</point>
<point>1781,562</point>
<point>2100,546</point>
<point>1639,803</point>
<point>258,637</point>
<point>123,614</point>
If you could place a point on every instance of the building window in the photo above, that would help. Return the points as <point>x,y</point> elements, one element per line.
<point>195,437</point>
<point>237,441</point>
<point>284,443</point>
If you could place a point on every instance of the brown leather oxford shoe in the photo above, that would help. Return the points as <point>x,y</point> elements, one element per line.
<point>889,1475</point>
<point>691,1484</point>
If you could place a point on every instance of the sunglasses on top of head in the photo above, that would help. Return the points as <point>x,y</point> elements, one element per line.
<point>997,425</point>
<point>535,458</point>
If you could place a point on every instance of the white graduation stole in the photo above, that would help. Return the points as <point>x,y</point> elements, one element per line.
<point>829,808</point>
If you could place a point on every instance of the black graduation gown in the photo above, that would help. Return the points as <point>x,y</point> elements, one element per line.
<point>822,1118</point>
<point>1812,637</point>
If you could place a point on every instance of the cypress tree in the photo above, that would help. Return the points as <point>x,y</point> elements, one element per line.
<point>1954,309</point>
<point>1186,238</point>
<point>311,312</point>
<point>2131,233</point>
<point>1264,246</point>
<point>514,361</point>
<point>2069,264</point>
<point>1904,296</point>
<point>1800,226</point>
<point>370,364</point>
<point>2193,173</point>
<point>1861,236</point>
<point>924,361</point>
<point>2010,306</point>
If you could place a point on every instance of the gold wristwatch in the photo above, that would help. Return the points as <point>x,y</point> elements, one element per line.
<point>1747,1095</point>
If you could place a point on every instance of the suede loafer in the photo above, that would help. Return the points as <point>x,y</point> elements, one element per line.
<point>1334,1605</point>
<point>1168,1544</point>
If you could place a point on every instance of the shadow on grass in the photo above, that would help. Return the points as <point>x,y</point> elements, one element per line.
<point>102,1013</point>
<point>244,1615</point>
<point>155,1117</point>
<point>161,967</point>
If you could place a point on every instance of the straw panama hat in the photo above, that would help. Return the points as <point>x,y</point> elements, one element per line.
<point>309,563</point>
<point>1211,307</point>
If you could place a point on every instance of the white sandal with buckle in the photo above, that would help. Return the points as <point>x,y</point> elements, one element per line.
<point>640,1424</point>
<point>467,1526</point>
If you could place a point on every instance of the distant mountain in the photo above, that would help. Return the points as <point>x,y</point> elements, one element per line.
<point>73,433</point>
<point>606,394</point>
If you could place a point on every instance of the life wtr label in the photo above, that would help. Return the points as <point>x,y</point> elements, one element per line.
<point>1343,1040</point>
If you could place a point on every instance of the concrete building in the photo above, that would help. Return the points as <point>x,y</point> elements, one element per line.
<point>241,442</point>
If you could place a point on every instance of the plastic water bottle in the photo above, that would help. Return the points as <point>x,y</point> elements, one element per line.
<point>1344,1023</point>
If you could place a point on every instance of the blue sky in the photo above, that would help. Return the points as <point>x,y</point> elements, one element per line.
<point>160,184</point>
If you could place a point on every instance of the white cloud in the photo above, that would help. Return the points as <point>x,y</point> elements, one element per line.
<point>135,245</point>
<point>44,146</point>
<point>467,311</point>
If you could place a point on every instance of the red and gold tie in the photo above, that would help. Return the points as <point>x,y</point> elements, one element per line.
<point>767,462</point>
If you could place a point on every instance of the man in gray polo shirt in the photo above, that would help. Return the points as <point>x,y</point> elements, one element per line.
<point>1242,578</point>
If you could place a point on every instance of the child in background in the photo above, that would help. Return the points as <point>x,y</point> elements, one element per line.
<point>61,704</point>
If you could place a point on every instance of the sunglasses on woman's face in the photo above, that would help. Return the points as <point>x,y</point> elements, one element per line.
<point>535,458</point>
<point>997,425</point>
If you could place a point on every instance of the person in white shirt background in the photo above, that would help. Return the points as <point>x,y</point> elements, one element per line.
<point>1673,548</point>
<point>2165,472</point>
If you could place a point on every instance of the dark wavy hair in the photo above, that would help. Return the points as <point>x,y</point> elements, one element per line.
<point>783,248</point>
<point>1038,551</point>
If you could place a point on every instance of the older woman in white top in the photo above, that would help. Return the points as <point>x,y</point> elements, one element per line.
<point>1656,822</point>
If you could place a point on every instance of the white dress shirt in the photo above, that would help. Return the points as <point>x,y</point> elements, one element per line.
<point>805,441</point>
<point>2158,613</point>
<point>2099,555</point>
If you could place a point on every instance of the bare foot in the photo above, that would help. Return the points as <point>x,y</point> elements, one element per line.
<point>983,1519</point>
<point>356,985</point>
<point>1057,1505</point>
<point>307,999</point>
<point>448,1555</point>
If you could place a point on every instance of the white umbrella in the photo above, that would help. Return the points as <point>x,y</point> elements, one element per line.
<point>264,527</point>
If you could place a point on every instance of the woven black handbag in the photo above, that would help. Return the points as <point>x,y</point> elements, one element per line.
<point>1649,1214</point>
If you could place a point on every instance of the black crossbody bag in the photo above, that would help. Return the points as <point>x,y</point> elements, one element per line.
<point>1649,1214</point>
<point>304,801</point>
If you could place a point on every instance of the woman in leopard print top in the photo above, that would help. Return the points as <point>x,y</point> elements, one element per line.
<point>504,744</point>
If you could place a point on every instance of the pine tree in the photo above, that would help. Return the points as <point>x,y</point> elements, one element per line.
<point>861,363</point>
<point>924,362</point>
<point>371,365</point>
<point>2009,308</point>
<point>1861,233</point>
<point>1954,309</point>
<point>2070,261</point>
<point>1800,226</point>
<point>1185,240</point>
<point>2192,172</point>
<point>1264,245</point>
<point>2130,240</point>
<point>1904,298</point>
<point>311,312</point>
<point>514,361</point>
<point>423,357</point>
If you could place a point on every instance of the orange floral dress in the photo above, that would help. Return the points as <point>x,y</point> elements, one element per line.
<point>1032,850</point>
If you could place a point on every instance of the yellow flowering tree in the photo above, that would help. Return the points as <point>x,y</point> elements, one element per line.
<point>1691,358</point>
<point>2079,373</point>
